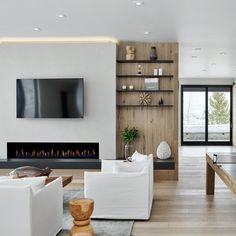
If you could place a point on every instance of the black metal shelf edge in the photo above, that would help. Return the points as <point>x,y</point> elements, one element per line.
<point>144,106</point>
<point>144,76</point>
<point>168,164</point>
<point>52,163</point>
<point>145,61</point>
<point>145,90</point>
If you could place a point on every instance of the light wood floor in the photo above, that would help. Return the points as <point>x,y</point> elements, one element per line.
<point>182,208</point>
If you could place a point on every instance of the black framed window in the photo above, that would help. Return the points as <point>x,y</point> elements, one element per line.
<point>206,115</point>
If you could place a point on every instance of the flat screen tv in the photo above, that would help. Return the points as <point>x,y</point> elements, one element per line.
<point>50,98</point>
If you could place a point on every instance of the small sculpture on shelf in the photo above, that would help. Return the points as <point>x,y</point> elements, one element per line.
<point>131,87</point>
<point>144,99</point>
<point>124,87</point>
<point>161,101</point>
<point>153,54</point>
<point>130,53</point>
<point>139,72</point>
<point>163,150</point>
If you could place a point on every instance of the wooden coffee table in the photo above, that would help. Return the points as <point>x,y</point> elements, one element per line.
<point>65,179</point>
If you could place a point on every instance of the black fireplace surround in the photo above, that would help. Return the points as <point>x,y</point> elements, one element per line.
<point>33,150</point>
<point>53,155</point>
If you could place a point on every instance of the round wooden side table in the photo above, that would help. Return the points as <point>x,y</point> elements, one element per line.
<point>81,210</point>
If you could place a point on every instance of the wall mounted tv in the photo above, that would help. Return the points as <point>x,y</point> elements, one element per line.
<point>50,98</point>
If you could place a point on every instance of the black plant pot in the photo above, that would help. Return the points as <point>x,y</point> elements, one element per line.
<point>153,54</point>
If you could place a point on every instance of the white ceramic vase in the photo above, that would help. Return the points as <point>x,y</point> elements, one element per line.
<point>163,150</point>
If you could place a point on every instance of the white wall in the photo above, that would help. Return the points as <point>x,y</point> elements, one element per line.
<point>96,63</point>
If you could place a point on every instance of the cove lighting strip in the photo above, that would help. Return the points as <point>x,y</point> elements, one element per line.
<point>59,40</point>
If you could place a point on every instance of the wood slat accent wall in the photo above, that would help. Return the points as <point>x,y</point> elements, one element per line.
<point>156,124</point>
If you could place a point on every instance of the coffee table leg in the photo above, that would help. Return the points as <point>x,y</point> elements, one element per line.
<point>210,180</point>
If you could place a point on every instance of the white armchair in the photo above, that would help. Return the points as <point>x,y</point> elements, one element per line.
<point>25,211</point>
<point>121,195</point>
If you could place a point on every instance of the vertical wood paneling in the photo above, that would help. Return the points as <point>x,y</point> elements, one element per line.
<point>155,124</point>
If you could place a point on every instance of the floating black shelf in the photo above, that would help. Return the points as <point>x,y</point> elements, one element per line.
<point>145,90</point>
<point>145,61</point>
<point>144,76</point>
<point>168,164</point>
<point>158,164</point>
<point>144,106</point>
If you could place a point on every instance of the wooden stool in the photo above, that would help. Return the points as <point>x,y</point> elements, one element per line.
<point>81,210</point>
<point>81,234</point>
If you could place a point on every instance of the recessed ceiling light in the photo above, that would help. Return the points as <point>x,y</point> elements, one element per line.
<point>198,49</point>
<point>147,32</point>
<point>37,29</point>
<point>62,16</point>
<point>213,64</point>
<point>194,56</point>
<point>138,3</point>
<point>223,53</point>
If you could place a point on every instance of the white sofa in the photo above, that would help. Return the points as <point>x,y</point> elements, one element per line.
<point>121,195</point>
<point>26,210</point>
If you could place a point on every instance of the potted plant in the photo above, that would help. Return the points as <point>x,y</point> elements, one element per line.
<point>129,135</point>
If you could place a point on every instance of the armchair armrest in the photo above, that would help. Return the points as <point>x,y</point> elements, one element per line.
<point>15,214</point>
<point>47,209</point>
<point>113,192</point>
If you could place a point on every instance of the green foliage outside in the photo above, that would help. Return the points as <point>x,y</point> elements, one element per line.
<point>129,134</point>
<point>218,109</point>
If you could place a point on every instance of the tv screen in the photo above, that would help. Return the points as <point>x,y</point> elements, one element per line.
<point>50,98</point>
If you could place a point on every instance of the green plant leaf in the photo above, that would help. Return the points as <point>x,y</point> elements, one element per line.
<point>129,134</point>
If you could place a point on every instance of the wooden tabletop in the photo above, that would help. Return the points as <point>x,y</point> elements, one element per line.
<point>65,179</point>
<point>226,162</point>
<point>227,173</point>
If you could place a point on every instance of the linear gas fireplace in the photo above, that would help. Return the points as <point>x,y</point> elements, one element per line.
<point>33,150</point>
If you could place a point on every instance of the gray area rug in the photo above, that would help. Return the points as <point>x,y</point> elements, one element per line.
<point>101,227</point>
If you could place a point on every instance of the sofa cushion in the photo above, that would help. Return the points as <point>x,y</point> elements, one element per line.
<point>36,183</point>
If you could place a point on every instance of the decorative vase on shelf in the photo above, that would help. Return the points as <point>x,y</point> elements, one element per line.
<point>163,150</point>
<point>129,150</point>
<point>153,54</point>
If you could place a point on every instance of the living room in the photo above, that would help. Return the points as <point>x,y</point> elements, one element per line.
<point>119,115</point>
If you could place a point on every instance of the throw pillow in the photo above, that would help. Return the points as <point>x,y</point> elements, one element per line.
<point>138,157</point>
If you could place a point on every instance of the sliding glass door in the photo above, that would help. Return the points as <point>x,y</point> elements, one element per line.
<point>194,119</point>
<point>206,115</point>
<point>219,104</point>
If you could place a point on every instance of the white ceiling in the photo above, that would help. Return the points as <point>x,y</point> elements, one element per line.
<point>208,24</point>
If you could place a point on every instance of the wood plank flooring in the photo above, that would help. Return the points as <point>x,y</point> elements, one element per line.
<point>182,208</point>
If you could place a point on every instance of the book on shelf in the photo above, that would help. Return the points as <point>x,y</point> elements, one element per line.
<point>151,83</point>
